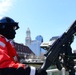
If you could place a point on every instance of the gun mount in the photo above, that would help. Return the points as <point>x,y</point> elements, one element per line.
<point>60,52</point>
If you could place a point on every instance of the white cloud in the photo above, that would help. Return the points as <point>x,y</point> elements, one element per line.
<point>5,5</point>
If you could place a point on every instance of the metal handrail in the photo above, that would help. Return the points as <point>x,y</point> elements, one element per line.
<point>56,70</point>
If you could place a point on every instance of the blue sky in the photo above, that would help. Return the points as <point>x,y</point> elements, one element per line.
<point>44,17</point>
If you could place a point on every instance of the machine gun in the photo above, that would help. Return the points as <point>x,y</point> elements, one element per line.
<point>60,53</point>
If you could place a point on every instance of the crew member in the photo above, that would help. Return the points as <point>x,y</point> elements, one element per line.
<point>9,64</point>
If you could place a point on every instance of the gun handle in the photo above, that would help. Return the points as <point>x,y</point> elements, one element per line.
<point>46,65</point>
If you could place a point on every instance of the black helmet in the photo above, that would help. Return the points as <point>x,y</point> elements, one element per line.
<point>6,21</point>
<point>8,27</point>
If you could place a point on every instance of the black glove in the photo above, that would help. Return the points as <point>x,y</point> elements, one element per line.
<point>40,72</point>
<point>30,70</point>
